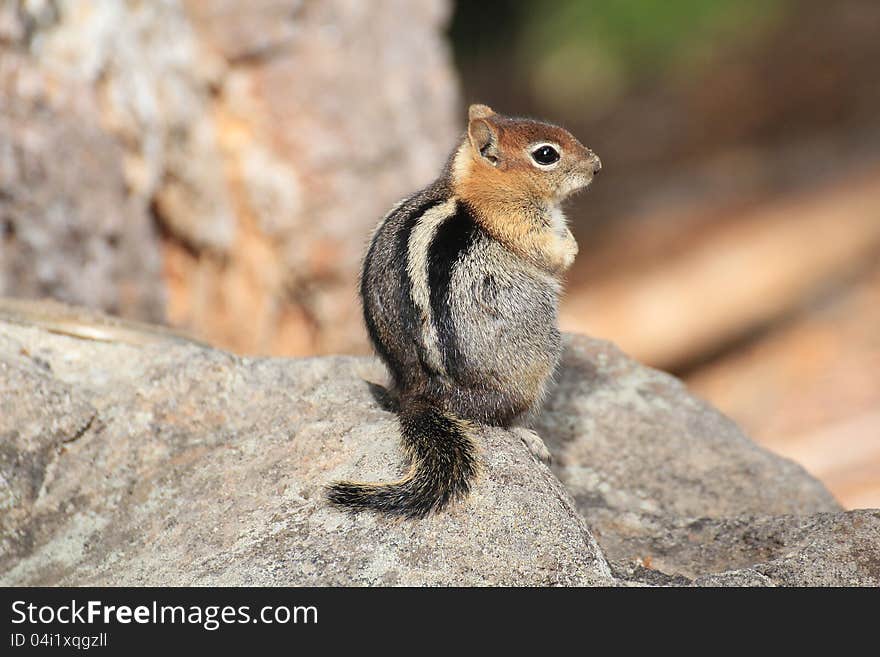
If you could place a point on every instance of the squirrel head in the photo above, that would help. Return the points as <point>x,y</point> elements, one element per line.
<point>522,161</point>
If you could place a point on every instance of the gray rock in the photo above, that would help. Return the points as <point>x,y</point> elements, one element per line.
<point>736,578</point>
<point>170,463</point>
<point>643,457</point>
<point>129,455</point>
<point>828,549</point>
<point>30,438</point>
<point>825,549</point>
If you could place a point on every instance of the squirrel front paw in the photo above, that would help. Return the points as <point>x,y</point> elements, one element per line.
<point>568,249</point>
<point>534,443</point>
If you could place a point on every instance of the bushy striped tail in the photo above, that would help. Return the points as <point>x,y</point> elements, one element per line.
<point>443,462</point>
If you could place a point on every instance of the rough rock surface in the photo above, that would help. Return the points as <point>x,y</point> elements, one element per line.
<point>230,157</point>
<point>171,463</point>
<point>827,549</point>
<point>641,456</point>
<point>136,457</point>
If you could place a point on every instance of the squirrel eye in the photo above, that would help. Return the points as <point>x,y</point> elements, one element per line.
<point>545,155</point>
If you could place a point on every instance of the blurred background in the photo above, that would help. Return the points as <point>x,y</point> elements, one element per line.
<point>217,165</point>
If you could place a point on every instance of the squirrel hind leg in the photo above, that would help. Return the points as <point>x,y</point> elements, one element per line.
<point>384,397</point>
<point>444,463</point>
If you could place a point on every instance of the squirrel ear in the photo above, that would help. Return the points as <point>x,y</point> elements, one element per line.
<point>482,135</point>
<point>479,112</point>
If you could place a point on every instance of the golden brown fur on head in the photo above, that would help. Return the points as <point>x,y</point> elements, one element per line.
<point>514,173</point>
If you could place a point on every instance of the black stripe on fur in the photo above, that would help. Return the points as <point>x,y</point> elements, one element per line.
<point>453,239</point>
<point>407,312</point>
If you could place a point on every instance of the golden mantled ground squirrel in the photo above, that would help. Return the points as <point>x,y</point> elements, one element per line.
<point>460,290</point>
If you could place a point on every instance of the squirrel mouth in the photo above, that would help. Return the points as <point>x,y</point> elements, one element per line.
<point>573,183</point>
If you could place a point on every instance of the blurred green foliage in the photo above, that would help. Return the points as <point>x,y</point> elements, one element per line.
<point>565,50</point>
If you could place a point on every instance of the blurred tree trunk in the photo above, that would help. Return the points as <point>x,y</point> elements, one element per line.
<point>227,159</point>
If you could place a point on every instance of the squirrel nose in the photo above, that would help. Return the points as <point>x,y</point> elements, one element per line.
<point>595,162</point>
